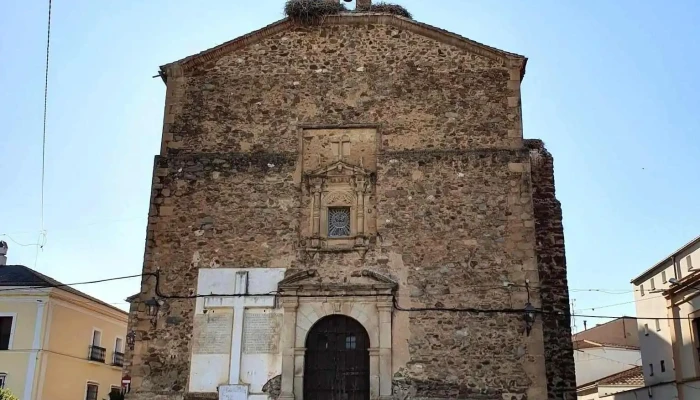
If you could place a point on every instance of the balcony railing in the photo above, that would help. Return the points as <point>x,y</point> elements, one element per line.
<point>97,354</point>
<point>118,359</point>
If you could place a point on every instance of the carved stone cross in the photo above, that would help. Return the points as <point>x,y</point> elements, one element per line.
<point>239,305</point>
<point>341,147</point>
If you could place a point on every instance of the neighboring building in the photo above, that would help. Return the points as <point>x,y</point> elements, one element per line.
<point>667,308</point>
<point>597,360</point>
<point>57,343</point>
<point>602,352</point>
<point>326,198</point>
<point>621,331</point>
<point>629,379</point>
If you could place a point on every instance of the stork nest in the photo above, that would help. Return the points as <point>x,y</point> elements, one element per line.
<point>313,12</point>
<point>390,9</point>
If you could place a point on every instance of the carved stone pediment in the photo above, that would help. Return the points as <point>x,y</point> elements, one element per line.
<point>297,277</point>
<point>339,168</point>
<point>379,277</point>
<point>369,282</point>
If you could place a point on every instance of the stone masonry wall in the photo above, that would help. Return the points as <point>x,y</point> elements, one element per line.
<point>454,206</point>
<point>461,224</point>
<point>425,94</point>
<point>551,259</point>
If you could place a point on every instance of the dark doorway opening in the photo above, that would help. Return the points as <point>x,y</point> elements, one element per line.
<point>336,364</point>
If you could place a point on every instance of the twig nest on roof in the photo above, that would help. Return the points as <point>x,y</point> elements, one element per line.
<point>312,12</point>
<point>390,9</point>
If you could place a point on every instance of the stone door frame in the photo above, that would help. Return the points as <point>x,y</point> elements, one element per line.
<point>304,304</point>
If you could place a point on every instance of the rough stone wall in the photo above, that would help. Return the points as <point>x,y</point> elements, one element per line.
<point>462,224</point>
<point>453,200</point>
<point>425,94</point>
<point>551,260</point>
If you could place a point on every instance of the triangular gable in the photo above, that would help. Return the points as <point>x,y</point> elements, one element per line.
<point>339,166</point>
<point>304,278</point>
<point>441,35</point>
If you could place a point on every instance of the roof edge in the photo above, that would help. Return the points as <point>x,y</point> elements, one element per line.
<point>176,68</point>
<point>645,274</point>
<point>92,301</point>
<point>595,382</point>
<point>604,323</point>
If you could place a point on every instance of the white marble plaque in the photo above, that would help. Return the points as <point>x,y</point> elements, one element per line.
<point>233,392</point>
<point>212,333</point>
<point>261,332</point>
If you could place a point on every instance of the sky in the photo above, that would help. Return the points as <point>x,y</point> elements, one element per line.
<point>611,87</point>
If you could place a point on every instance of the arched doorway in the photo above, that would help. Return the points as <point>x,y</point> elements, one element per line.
<point>336,363</point>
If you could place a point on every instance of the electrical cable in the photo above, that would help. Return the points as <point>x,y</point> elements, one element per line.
<point>46,97</point>
<point>159,293</point>
<point>41,242</point>
<point>59,285</point>
<point>619,304</point>
<point>18,243</point>
<point>605,358</point>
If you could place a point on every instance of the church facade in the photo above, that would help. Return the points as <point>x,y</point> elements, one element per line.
<point>349,211</point>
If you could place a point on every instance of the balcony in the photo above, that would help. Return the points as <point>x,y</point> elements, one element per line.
<point>118,359</point>
<point>97,354</point>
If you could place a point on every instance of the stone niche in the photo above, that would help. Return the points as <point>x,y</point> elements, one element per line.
<point>338,182</point>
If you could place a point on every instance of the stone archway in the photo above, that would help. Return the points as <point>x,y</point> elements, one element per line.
<point>336,362</point>
<point>306,303</point>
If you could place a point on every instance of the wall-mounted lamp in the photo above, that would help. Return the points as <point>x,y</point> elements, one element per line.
<point>153,306</point>
<point>530,313</point>
<point>131,339</point>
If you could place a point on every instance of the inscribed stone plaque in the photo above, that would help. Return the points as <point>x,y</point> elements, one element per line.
<point>212,333</point>
<point>261,332</point>
<point>233,392</point>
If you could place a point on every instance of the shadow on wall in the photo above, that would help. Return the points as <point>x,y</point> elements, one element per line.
<point>658,369</point>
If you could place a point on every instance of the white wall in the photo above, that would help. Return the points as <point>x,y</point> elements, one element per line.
<point>606,390</point>
<point>589,396</point>
<point>595,363</point>
<point>687,311</point>
<point>211,368</point>
<point>655,344</point>
<point>661,392</point>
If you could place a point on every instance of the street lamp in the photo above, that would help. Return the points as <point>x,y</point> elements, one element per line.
<point>131,339</point>
<point>153,306</point>
<point>530,313</point>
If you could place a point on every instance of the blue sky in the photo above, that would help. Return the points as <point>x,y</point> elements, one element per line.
<point>611,87</point>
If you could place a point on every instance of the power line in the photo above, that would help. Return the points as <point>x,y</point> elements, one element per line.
<point>606,358</point>
<point>87,302</point>
<point>60,285</point>
<point>606,291</point>
<point>46,97</point>
<point>18,243</point>
<point>620,304</point>
<point>398,307</point>
<point>42,232</point>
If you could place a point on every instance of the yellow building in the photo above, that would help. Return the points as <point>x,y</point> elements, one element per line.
<point>57,343</point>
